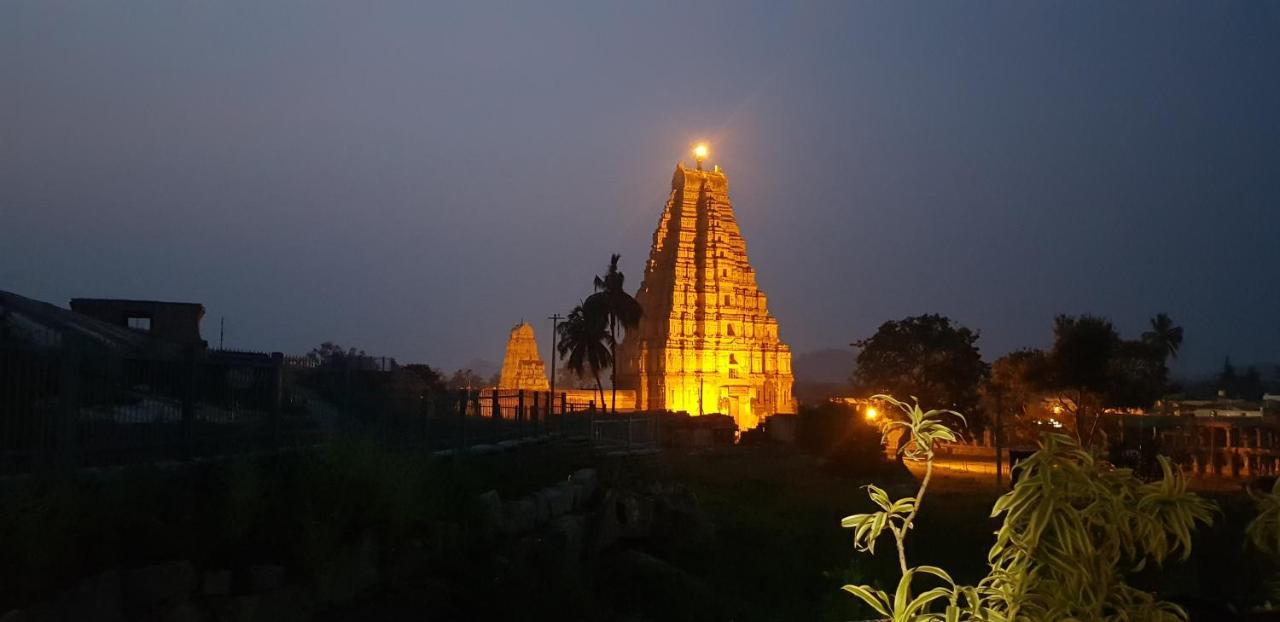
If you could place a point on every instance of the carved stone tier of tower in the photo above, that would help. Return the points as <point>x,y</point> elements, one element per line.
<point>707,343</point>
<point>521,366</point>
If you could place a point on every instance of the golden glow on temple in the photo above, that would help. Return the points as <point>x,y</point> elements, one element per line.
<point>707,343</point>
<point>522,368</point>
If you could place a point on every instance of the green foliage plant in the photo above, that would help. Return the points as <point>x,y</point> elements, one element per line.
<point>1073,528</point>
<point>1263,531</point>
<point>920,431</point>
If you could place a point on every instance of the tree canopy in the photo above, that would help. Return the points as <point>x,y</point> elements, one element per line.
<point>926,356</point>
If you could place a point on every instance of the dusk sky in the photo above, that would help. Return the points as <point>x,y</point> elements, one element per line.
<point>414,178</point>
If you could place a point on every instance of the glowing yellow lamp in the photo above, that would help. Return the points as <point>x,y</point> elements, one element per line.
<point>871,413</point>
<point>700,152</point>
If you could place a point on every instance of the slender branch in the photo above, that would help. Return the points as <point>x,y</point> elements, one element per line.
<point>901,536</point>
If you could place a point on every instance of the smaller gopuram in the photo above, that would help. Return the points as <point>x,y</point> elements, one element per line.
<point>522,368</point>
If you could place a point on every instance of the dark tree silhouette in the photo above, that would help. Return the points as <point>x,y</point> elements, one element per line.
<point>1164,336</point>
<point>332,355</point>
<point>925,356</point>
<point>1083,348</point>
<point>620,310</point>
<point>584,343</point>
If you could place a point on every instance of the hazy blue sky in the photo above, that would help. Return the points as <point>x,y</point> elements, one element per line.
<point>414,178</point>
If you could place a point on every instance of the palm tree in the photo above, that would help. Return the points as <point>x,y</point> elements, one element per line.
<point>1164,337</point>
<point>619,308</point>
<point>582,339</point>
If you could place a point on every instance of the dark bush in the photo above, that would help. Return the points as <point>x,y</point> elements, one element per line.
<point>847,442</point>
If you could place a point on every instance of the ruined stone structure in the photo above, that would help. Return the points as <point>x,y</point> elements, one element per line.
<point>707,343</point>
<point>521,366</point>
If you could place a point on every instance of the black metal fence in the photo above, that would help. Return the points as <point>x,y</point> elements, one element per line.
<point>468,418</point>
<point>67,407</point>
<point>70,406</point>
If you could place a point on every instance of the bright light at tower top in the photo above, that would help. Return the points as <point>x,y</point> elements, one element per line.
<point>700,151</point>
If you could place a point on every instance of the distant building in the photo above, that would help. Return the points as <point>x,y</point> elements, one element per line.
<point>175,322</point>
<point>30,323</point>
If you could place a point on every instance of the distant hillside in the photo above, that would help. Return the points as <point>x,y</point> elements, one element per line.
<point>822,374</point>
<point>831,366</point>
<point>483,367</point>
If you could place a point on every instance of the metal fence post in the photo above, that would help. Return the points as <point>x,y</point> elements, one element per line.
<point>190,369</point>
<point>277,397</point>
<point>533,414</point>
<point>495,406</point>
<point>520,412</point>
<point>68,405</point>
<point>428,404</point>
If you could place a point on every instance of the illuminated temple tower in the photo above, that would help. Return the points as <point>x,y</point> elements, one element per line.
<point>521,366</point>
<point>707,343</point>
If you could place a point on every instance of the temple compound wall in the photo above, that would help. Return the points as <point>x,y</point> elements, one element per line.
<point>707,343</point>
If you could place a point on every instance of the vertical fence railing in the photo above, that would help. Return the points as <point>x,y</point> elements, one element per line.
<point>72,406</point>
<point>76,405</point>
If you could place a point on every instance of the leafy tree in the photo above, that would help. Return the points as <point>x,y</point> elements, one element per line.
<point>926,356</point>
<point>1014,387</point>
<point>467,379</point>
<point>1139,375</point>
<point>584,342</point>
<point>421,378</point>
<point>1164,336</point>
<point>1247,385</point>
<point>1080,364</point>
<point>568,379</point>
<point>620,310</point>
<point>330,354</point>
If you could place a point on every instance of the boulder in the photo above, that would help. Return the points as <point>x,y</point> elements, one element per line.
<point>677,516</point>
<point>603,526</point>
<point>588,481</point>
<point>573,491</point>
<point>565,536</point>
<point>635,513</point>
<point>518,516</point>
<point>541,512</point>
<point>558,501</point>
<point>160,585</point>
<point>486,513</point>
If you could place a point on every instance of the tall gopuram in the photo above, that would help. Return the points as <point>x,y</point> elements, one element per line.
<point>706,343</point>
<point>521,366</point>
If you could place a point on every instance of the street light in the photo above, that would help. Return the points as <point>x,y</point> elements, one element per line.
<point>871,413</point>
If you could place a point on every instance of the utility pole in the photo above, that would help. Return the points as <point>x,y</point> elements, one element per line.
<point>999,434</point>
<point>555,325</point>
<point>222,331</point>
